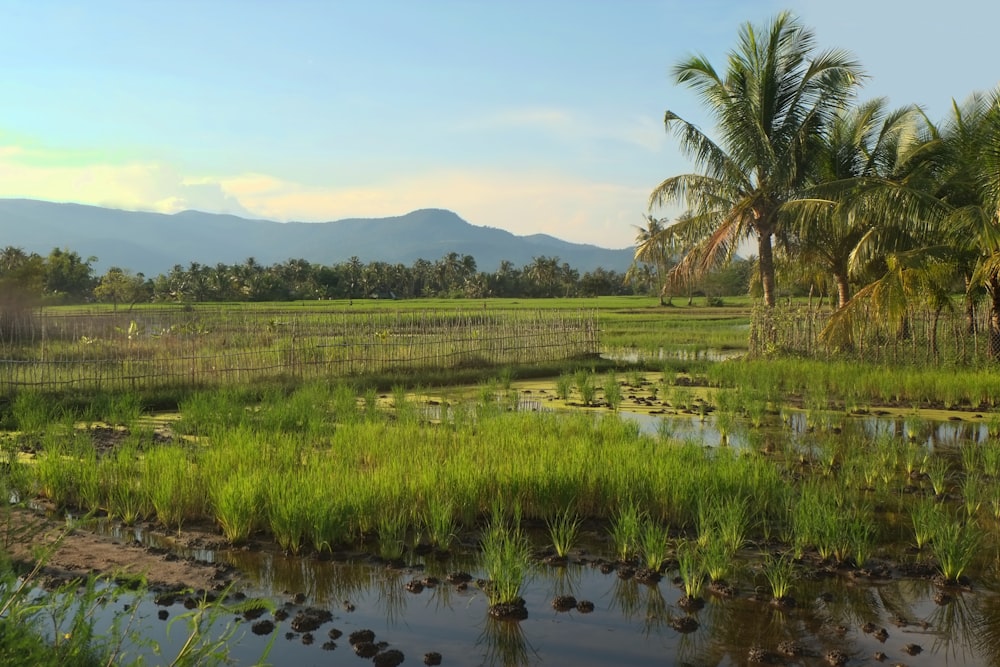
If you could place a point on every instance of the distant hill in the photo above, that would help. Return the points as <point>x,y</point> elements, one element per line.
<point>153,243</point>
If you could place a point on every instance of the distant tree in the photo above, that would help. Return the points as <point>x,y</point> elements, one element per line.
<point>121,286</point>
<point>68,277</point>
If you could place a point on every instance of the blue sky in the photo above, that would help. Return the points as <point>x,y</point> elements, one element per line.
<point>531,116</point>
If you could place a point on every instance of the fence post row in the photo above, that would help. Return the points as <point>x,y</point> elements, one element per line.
<point>212,346</point>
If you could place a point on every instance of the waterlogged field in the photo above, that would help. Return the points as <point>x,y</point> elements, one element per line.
<point>710,514</point>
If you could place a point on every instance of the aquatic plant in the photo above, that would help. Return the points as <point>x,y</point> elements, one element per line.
<point>564,530</point>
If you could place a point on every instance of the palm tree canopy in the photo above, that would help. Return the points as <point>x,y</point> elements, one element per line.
<point>771,108</point>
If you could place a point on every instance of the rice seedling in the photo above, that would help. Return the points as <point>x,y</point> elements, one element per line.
<point>287,512</point>
<point>506,557</point>
<point>717,559</point>
<point>995,501</point>
<point>505,378</point>
<point>914,428</point>
<point>924,517</point>
<point>391,527</point>
<point>344,404</point>
<point>954,546</point>
<point>691,569</point>
<point>564,385</point>
<point>654,543</point>
<point>972,494</point>
<point>564,530</point>
<point>860,537</point>
<point>681,398</point>
<point>972,457</point>
<point>584,382</point>
<point>938,473</point>
<point>439,522</point>
<point>991,458</point>
<point>32,411</point>
<point>612,392</point>
<point>625,528</point>
<point>635,378</point>
<point>122,408</point>
<point>89,482</point>
<point>174,485</point>
<point>370,401</point>
<point>727,520</point>
<point>914,459</point>
<point>780,574</point>
<point>235,502</point>
<point>55,470</point>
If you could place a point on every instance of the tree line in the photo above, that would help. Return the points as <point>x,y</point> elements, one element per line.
<point>64,277</point>
<point>882,207</point>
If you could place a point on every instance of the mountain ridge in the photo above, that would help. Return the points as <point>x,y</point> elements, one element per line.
<point>153,243</point>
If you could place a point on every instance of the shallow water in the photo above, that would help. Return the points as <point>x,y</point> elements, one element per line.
<point>630,625</point>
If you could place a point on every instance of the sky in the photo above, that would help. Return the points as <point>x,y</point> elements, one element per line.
<point>525,115</point>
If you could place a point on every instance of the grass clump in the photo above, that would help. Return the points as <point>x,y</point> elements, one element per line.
<point>506,557</point>
<point>564,530</point>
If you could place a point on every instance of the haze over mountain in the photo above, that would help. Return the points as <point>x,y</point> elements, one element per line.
<point>153,243</point>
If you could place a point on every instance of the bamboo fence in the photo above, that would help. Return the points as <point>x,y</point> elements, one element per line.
<point>210,347</point>
<point>922,337</point>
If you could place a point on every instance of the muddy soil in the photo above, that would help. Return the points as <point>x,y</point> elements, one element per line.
<point>72,552</point>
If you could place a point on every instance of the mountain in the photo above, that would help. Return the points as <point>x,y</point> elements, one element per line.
<point>153,243</point>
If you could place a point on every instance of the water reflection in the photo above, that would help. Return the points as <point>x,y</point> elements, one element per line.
<point>504,644</point>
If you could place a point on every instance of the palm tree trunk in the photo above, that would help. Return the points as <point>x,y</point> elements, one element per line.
<point>994,291</point>
<point>970,308</point>
<point>766,259</point>
<point>843,289</point>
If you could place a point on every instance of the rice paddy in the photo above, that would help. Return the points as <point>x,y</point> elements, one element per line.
<point>747,483</point>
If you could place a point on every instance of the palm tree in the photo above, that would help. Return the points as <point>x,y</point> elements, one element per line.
<point>654,247</point>
<point>863,144</point>
<point>972,193</point>
<point>772,107</point>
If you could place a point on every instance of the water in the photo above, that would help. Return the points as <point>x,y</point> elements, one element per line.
<point>631,623</point>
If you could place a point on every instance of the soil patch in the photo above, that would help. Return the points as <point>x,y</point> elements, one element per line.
<point>78,552</point>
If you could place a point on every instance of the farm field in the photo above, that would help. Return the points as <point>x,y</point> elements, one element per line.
<point>675,502</point>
